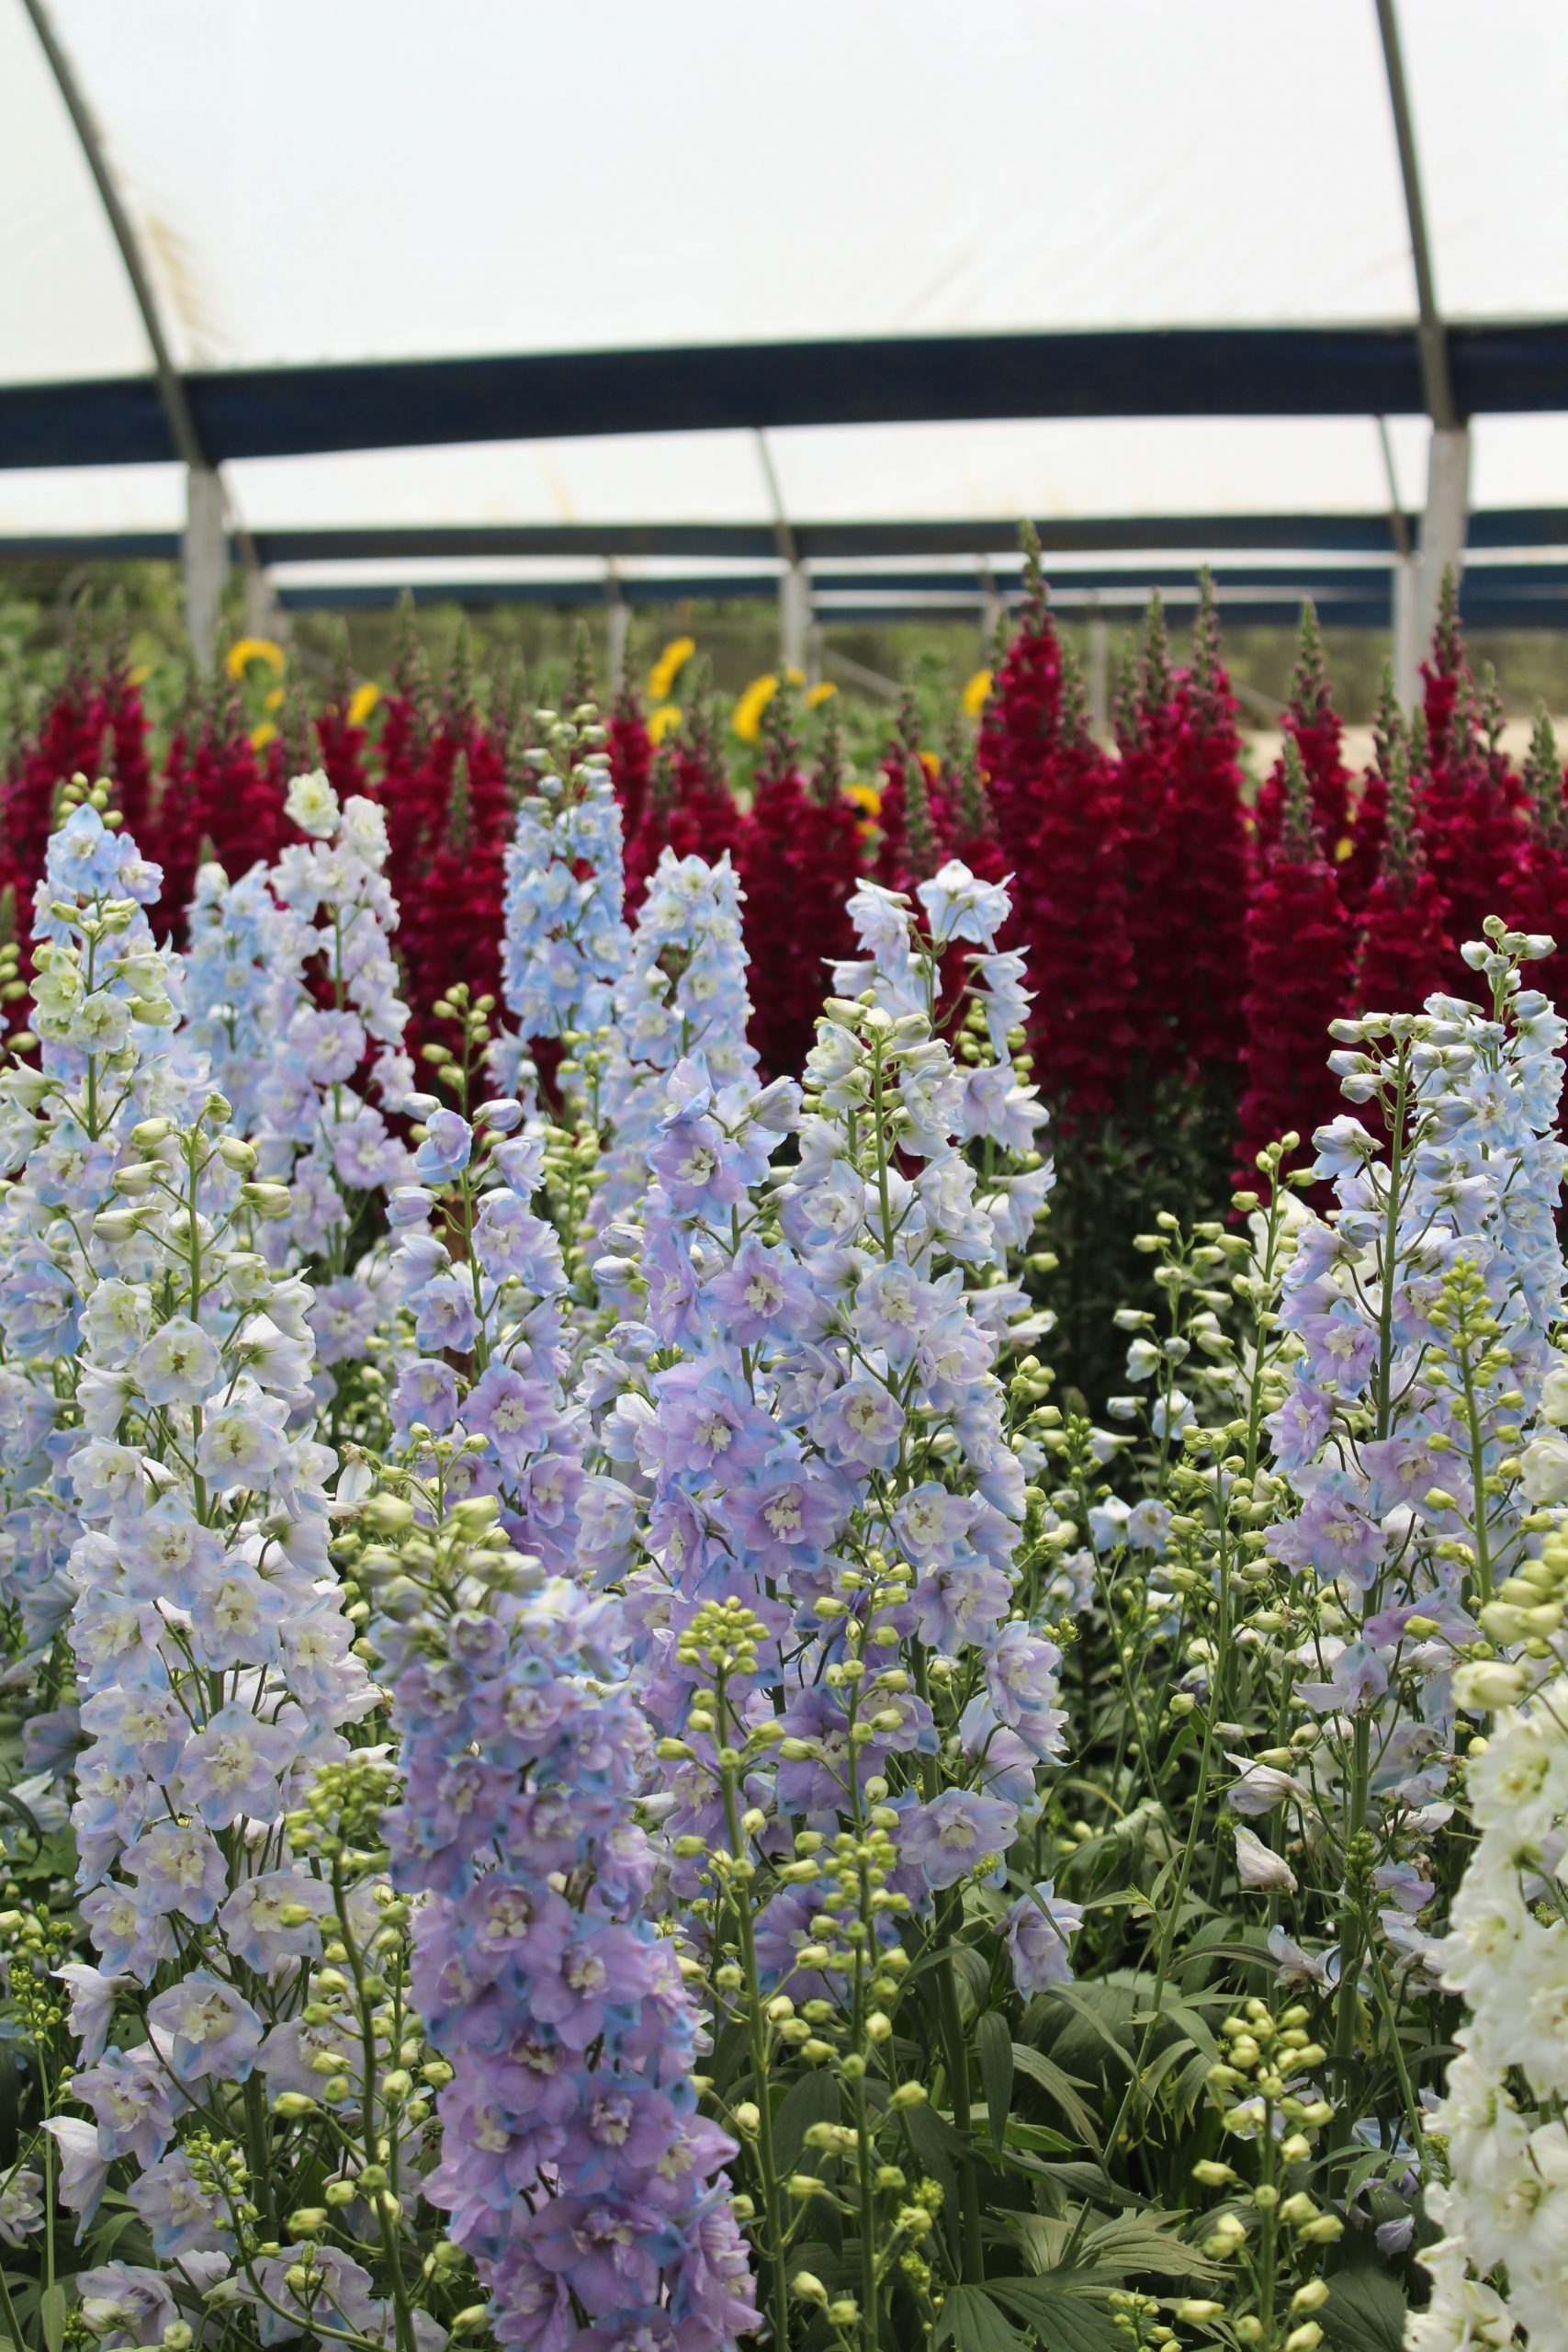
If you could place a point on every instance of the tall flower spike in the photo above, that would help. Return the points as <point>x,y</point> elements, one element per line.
<point>565,945</point>
<point>683,991</point>
<point>576,2171</point>
<point>1298,972</point>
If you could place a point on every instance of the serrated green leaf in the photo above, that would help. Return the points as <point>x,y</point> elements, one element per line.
<point>1057,2317</point>
<point>1365,2312</point>
<point>992,2048</point>
<point>974,2323</point>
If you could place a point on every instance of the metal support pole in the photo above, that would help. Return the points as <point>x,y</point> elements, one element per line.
<point>795,616</point>
<point>1447,514</point>
<point>183,431</point>
<point>265,616</point>
<point>206,556</point>
<point>1406,630</point>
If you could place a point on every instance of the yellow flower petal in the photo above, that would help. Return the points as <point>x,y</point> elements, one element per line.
<point>246,650</point>
<point>663,721</point>
<point>976,692</point>
<point>747,719</point>
<point>819,694</point>
<point>1343,848</point>
<point>362,702</point>
<point>866,796</point>
<point>263,735</point>
<point>668,667</point>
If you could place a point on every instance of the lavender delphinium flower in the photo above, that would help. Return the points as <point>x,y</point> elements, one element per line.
<point>575,2166</point>
<point>836,1490</point>
<point>217,1680</point>
<point>565,942</point>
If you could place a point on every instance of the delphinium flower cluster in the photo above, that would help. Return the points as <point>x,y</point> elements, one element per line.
<point>1420,1308</point>
<point>855,1714</point>
<point>1500,2205</point>
<point>683,991</point>
<point>576,2167</point>
<point>62,1117</point>
<point>336,1073</point>
<point>226,2064</point>
<point>598,1756</point>
<point>565,941</point>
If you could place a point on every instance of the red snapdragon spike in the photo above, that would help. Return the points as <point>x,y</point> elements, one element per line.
<point>631,757</point>
<point>414,775</point>
<point>130,765</point>
<point>449,929</point>
<point>1543,901</point>
<point>1202,935</point>
<point>914,820</point>
<point>690,807</point>
<point>340,749</point>
<point>796,853</point>
<point>336,741</point>
<point>1298,981</point>
<point>1185,850</point>
<point>1021,720</point>
<point>1313,724</point>
<point>1368,820</point>
<point>1403,948</point>
<point>215,791</point>
<point>69,743</point>
<point>972,821</point>
<point>1442,674</point>
<point>1071,911</point>
<point>1473,820</point>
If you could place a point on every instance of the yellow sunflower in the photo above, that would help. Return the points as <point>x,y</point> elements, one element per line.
<point>246,650</point>
<point>669,667</point>
<point>747,719</point>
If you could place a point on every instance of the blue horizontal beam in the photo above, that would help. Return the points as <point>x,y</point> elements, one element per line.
<point>1504,597</point>
<point>1280,535</point>
<point>1176,371</point>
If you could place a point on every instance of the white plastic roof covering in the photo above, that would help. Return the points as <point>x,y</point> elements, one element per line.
<point>402,178</point>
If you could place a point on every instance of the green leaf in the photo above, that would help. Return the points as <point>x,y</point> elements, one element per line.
<point>1365,2312</point>
<point>973,1971</point>
<point>1105,2012</point>
<point>813,2099</point>
<point>1066,2322</point>
<point>975,2324</point>
<point>1063,2087</point>
<point>933,2140</point>
<point>52,2312</point>
<point>993,2047</point>
<point>1145,2240</point>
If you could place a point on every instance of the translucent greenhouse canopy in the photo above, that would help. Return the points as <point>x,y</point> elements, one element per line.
<point>323,187</point>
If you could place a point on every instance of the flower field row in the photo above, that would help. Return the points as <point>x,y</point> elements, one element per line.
<point>597,1753</point>
<point>1191,931</point>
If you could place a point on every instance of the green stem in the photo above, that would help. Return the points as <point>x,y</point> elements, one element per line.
<point>773,2253</point>
<point>973,2257</point>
